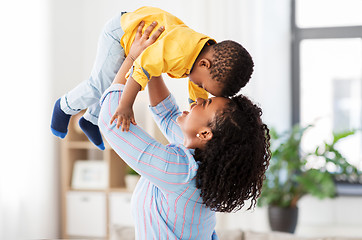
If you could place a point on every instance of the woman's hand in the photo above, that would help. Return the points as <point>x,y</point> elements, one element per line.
<point>142,41</point>
<point>124,113</point>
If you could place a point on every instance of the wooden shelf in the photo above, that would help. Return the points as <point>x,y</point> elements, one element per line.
<point>125,190</point>
<point>74,147</point>
<point>86,190</point>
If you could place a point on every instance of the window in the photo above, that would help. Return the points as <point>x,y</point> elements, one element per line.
<point>327,72</point>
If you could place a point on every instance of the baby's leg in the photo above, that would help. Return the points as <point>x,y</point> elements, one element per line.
<point>109,58</point>
<point>90,128</point>
<point>60,121</point>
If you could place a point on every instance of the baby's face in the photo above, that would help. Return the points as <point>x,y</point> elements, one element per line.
<point>210,85</point>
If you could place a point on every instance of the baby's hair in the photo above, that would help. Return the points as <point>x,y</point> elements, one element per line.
<point>233,163</point>
<point>231,65</point>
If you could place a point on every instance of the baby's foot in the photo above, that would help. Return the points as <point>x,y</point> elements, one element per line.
<point>92,132</point>
<point>60,121</point>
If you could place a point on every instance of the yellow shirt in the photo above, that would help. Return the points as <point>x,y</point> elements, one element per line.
<point>174,52</point>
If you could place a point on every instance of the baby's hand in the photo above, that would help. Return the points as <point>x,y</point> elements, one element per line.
<point>124,116</point>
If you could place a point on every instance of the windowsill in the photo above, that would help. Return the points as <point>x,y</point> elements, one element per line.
<point>348,189</point>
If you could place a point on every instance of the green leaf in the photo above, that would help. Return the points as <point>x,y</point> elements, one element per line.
<point>340,135</point>
<point>317,183</point>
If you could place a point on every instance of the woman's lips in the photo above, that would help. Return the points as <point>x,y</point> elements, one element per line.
<point>185,113</point>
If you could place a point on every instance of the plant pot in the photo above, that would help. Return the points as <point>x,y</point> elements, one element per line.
<point>131,181</point>
<point>283,219</point>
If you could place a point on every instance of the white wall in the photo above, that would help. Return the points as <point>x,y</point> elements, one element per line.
<point>317,218</point>
<point>28,170</point>
<point>340,216</point>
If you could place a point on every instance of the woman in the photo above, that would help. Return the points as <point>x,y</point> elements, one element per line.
<point>216,161</point>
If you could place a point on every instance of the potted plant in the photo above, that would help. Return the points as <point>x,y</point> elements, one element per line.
<point>131,179</point>
<point>288,178</point>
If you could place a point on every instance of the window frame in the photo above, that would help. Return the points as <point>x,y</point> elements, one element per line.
<point>297,36</point>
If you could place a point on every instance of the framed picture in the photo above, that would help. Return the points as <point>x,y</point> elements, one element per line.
<point>90,174</point>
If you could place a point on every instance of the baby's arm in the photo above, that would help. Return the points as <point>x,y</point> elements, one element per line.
<point>124,112</point>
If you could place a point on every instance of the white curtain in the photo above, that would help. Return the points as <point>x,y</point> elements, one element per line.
<point>28,176</point>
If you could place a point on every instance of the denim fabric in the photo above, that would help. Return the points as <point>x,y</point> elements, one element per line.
<point>109,58</point>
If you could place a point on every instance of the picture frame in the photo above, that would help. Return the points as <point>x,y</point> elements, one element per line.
<point>90,175</point>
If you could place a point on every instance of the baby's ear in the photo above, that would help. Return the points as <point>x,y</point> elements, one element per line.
<point>204,62</point>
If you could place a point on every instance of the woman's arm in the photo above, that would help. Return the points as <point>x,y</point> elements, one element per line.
<point>165,166</point>
<point>169,167</point>
<point>165,110</point>
<point>157,90</point>
<point>124,113</point>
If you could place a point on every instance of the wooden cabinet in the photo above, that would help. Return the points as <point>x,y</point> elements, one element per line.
<point>86,213</point>
<point>120,209</point>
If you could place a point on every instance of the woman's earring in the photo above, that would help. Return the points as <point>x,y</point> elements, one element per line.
<point>197,135</point>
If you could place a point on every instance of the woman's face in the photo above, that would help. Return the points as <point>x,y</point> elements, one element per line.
<point>194,124</point>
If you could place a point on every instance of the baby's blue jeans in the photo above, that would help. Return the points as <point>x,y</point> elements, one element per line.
<point>109,58</point>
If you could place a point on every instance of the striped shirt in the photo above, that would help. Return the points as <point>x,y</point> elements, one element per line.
<point>166,203</point>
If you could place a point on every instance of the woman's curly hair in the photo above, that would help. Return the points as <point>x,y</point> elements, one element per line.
<point>231,65</point>
<point>233,163</point>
